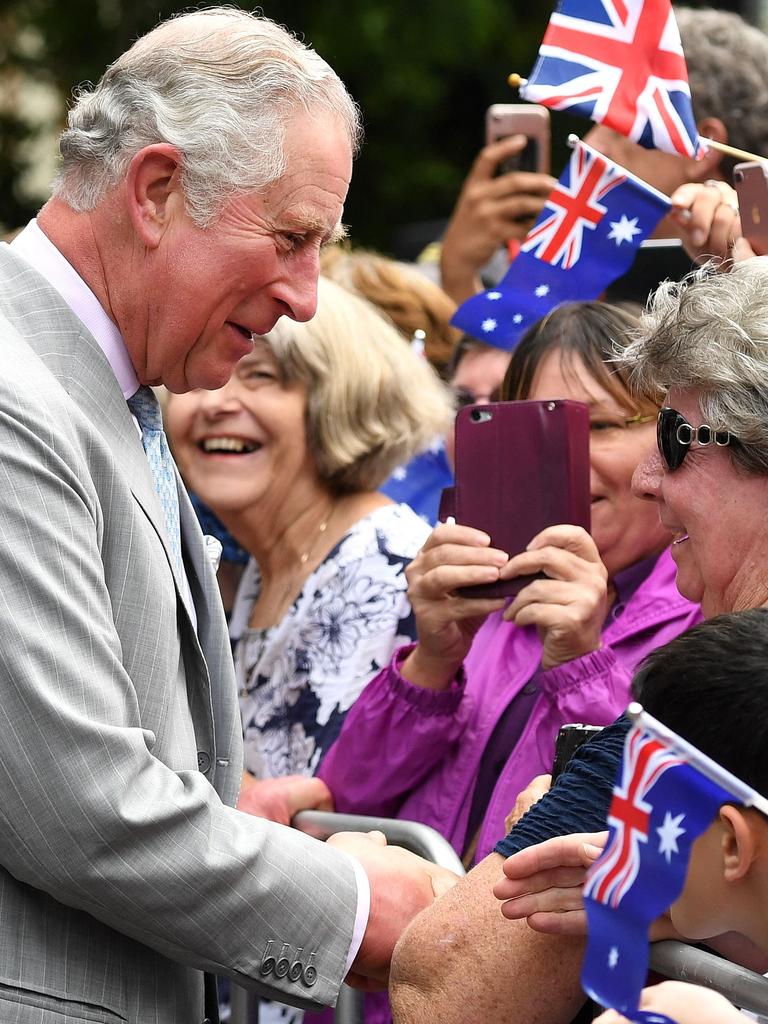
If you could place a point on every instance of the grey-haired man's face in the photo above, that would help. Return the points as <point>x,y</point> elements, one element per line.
<point>211,288</point>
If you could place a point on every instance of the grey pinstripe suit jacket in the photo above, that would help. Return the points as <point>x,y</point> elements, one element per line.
<point>123,874</point>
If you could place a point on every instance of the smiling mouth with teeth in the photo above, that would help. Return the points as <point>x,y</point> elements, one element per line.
<point>228,446</point>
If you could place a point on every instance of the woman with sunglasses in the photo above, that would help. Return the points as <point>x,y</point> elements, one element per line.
<point>702,353</point>
<point>461,721</point>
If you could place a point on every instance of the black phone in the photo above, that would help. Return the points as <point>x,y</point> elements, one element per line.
<point>568,741</point>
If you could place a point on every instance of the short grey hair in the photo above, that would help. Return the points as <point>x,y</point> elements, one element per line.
<point>727,61</point>
<point>372,401</point>
<point>220,85</point>
<point>709,332</point>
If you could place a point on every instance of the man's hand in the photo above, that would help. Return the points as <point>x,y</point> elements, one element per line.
<point>488,213</point>
<point>682,1003</point>
<point>526,798</point>
<point>402,884</point>
<point>544,883</point>
<point>279,799</point>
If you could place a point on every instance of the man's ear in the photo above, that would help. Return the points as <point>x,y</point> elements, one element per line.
<point>739,846</point>
<point>153,186</point>
<point>709,164</point>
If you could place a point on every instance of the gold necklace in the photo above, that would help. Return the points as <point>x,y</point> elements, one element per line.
<point>295,579</point>
<point>303,559</point>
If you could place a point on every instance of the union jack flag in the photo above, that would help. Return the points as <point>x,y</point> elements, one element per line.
<point>585,237</point>
<point>575,206</point>
<point>666,795</point>
<point>630,814</point>
<point>620,63</point>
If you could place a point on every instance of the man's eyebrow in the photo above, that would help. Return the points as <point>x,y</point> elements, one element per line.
<point>338,234</point>
<point>305,223</point>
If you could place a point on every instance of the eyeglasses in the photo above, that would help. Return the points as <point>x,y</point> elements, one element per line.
<point>675,435</point>
<point>464,396</point>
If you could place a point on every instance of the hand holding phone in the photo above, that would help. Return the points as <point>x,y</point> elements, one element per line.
<point>503,120</point>
<point>494,209</point>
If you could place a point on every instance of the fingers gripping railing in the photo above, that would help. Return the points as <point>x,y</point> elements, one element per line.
<point>411,835</point>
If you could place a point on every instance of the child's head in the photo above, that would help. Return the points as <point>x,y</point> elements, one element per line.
<point>710,686</point>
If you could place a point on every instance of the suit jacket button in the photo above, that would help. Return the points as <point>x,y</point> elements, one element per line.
<point>203,761</point>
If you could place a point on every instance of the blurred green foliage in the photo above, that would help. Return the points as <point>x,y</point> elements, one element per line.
<point>423,72</point>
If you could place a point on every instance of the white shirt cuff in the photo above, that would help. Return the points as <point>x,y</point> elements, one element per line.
<point>363,910</point>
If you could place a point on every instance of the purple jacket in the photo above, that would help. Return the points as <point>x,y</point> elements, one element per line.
<point>412,753</point>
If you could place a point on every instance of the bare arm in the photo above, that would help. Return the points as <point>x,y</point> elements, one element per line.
<point>461,961</point>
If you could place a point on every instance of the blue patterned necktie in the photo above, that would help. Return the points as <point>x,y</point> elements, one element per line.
<point>146,409</point>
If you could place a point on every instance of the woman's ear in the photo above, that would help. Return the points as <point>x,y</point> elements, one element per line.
<point>738,844</point>
<point>153,186</point>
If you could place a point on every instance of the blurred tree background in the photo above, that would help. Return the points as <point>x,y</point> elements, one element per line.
<point>423,72</point>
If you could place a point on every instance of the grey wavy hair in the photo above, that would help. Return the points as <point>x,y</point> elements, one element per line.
<point>727,61</point>
<point>709,332</point>
<point>217,84</point>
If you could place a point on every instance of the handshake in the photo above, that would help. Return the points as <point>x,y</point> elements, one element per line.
<point>402,885</point>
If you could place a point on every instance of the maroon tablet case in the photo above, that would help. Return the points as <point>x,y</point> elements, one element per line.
<point>520,467</point>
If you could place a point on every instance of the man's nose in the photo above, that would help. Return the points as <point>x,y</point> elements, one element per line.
<point>646,480</point>
<point>301,295</point>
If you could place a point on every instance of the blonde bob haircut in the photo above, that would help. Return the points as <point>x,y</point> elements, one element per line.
<point>410,300</point>
<point>372,402</point>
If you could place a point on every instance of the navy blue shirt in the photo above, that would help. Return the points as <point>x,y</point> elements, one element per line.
<point>579,800</point>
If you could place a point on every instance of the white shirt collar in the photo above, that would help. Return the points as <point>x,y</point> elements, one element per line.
<point>39,251</point>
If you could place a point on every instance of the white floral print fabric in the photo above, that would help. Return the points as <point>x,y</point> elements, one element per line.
<point>299,678</point>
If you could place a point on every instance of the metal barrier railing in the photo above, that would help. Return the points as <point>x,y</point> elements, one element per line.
<point>676,960</point>
<point>411,835</point>
<point>681,962</point>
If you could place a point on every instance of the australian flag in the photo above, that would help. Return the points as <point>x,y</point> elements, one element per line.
<point>621,63</point>
<point>667,794</point>
<point>585,237</point>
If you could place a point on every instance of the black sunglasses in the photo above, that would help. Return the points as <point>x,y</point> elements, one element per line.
<point>675,435</point>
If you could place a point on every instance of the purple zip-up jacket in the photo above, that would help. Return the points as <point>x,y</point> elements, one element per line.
<point>412,753</point>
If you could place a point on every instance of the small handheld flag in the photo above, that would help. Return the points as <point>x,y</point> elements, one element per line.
<point>585,237</point>
<point>667,794</point>
<point>620,63</point>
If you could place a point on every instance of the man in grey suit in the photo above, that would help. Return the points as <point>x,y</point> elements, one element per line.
<point>199,179</point>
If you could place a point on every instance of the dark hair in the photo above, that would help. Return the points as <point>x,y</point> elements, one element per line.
<point>710,685</point>
<point>591,331</point>
<point>465,344</point>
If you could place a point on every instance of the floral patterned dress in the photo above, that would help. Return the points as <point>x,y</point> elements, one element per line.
<point>298,679</point>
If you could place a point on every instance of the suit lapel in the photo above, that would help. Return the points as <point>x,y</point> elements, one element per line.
<point>75,358</point>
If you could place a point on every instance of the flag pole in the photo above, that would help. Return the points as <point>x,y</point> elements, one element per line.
<point>699,760</point>
<point>515,81</point>
<point>740,154</point>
